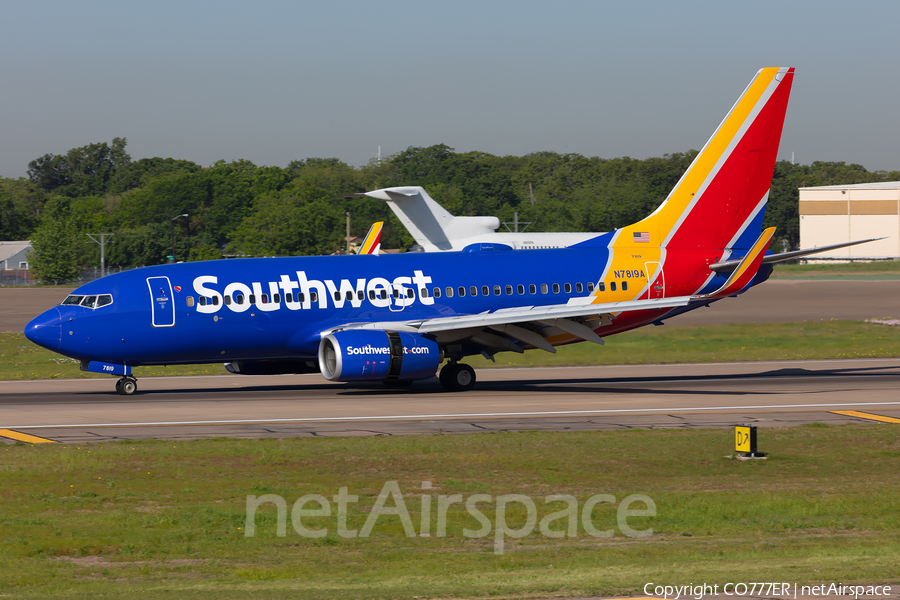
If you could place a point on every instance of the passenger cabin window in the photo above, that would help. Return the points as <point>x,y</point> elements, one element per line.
<point>313,297</point>
<point>437,292</point>
<point>239,299</point>
<point>252,299</point>
<point>360,295</point>
<point>349,295</point>
<point>423,293</point>
<point>337,296</point>
<point>532,289</point>
<point>612,286</point>
<point>276,298</point>
<point>462,291</point>
<point>383,295</point>
<point>485,290</point>
<point>520,289</point>
<point>449,291</point>
<point>190,301</point>
<point>568,288</point>
<point>371,294</point>
<point>579,288</point>
<point>509,290</point>
<point>473,291</point>
<point>624,286</point>
<point>555,288</point>
<point>496,290</point>
<point>544,288</point>
<point>227,300</point>
<point>264,298</point>
<point>202,300</point>
<point>215,300</point>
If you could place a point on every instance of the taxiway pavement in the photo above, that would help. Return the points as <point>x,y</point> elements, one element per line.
<point>766,394</point>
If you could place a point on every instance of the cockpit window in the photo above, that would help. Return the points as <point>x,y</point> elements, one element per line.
<point>88,301</point>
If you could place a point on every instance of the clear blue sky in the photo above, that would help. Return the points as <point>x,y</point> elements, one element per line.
<point>277,81</point>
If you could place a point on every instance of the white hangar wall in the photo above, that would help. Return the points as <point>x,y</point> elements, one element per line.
<point>845,213</point>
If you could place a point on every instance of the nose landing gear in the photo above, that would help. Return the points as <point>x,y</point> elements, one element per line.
<point>126,386</point>
<point>457,377</point>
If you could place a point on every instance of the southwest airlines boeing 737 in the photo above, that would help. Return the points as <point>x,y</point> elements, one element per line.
<point>397,318</point>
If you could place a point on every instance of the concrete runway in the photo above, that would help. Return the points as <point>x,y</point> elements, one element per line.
<point>559,399</point>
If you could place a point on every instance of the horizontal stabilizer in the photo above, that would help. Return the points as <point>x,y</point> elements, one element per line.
<point>729,265</point>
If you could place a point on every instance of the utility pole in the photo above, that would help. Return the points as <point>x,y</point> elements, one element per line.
<point>347,214</point>
<point>172,226</point>
<point>516,223</point>
<point>102,241</point>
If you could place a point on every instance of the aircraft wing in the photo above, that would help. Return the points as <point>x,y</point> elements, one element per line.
<point>516,322</point>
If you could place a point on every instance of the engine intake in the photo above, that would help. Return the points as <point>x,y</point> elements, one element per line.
<point>369,355</point>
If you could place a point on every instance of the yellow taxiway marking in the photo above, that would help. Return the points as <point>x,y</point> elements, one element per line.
<point>24,437</point>
<point>862,415</point>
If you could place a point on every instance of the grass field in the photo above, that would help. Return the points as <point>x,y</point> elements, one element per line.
<point>20,359</point>
<point>164,519</point>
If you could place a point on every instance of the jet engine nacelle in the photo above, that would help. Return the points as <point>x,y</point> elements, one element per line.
<point>373,355</point>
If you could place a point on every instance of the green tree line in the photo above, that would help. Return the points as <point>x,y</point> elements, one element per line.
<point>241,209</point>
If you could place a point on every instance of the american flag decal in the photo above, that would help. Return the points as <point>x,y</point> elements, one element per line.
<point>642,236</point>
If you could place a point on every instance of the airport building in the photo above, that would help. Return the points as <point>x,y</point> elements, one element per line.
<point>14,268</point>
<point>833,214</point>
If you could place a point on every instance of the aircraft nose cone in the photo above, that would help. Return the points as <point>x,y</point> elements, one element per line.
<point>45,330</point>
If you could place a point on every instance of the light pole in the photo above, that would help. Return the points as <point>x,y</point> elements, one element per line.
<point>347,214</point>
<point>172,225</point>
<point>102,241</point>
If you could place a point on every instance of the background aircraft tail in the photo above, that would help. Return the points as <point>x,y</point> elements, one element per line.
<point>720,201</point>
<point>428,222</point>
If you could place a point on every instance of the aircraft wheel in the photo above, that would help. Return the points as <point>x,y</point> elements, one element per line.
<point>444,376</point>
<point>126,386</point>
<point>458,377</point>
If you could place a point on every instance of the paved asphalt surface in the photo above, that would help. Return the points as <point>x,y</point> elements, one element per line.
<point>559,399</point>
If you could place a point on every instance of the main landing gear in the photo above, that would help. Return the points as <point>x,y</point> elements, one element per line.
<point>126,386</point>
<point>457,377</point>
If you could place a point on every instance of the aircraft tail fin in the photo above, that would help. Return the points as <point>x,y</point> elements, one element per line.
<point>720,200</point>
<point>372,242</point>
<point>427,221</point>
